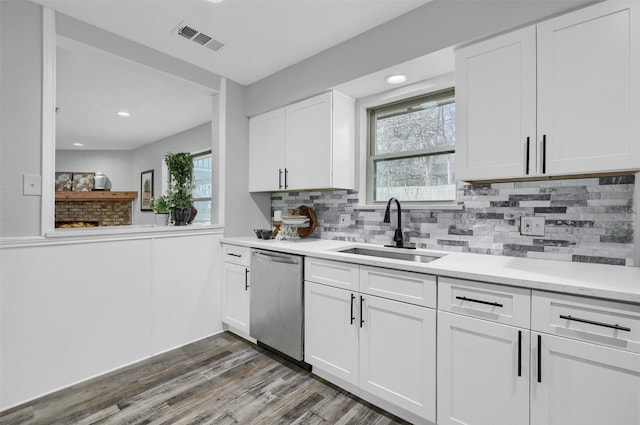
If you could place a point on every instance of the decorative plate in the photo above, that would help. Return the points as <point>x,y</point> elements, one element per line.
<point>313,220</point>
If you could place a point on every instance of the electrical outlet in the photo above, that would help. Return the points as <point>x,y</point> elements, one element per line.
<point>345,219</point>
<point>532,226</point>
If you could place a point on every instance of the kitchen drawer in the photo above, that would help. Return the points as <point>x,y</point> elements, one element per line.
<point>413,288</point>
<point>502,304</point>
<point>234,254</point>
<point>332,273</point>
<point>610,323</point>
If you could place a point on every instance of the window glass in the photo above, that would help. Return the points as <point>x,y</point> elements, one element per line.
<point>412,150</point>
<point>202,186</point>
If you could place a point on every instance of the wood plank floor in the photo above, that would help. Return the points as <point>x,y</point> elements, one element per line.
<point>219,380</point>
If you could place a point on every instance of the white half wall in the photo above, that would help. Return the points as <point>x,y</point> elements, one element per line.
<point>73,310</point>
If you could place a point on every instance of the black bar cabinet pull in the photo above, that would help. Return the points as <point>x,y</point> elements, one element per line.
<point>246,279</point>
<point>539,358</point>
<point>361,316</point>
<point>353,298</point>
<point>592,322</point>
<point>235,255</point>
<point>279,178</point>
<point>286,174</point>
<point>519,353</point>
<point>479,301</point>
<point>544,153</point>
<point>527,166</point>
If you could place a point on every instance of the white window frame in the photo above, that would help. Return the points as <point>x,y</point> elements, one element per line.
<point>363,105</point>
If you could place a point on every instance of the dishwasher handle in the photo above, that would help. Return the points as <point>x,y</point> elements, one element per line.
<point>277,258</point>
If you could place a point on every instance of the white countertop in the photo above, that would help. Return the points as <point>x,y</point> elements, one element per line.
<point>617,283</point>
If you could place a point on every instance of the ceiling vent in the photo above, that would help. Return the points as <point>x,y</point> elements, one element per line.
<point>194,35</point>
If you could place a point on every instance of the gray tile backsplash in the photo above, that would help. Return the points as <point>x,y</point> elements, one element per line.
<point>586,220</point>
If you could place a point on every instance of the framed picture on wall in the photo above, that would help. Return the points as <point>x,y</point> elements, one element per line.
<point>64,181</point>
<point>83,182</point>
<point>146,190</point>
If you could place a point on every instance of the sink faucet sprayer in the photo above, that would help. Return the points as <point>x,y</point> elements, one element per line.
<point>397,238</point>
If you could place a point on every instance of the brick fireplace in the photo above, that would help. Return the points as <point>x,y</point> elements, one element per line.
<point>105,208</point>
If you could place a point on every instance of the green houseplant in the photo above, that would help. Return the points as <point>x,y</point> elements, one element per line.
<point>180,167</point>
<point>162,207</point>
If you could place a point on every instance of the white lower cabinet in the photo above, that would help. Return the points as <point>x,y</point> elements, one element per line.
<point>382,346</point>
<point>331,331</point>
<point>235,289</point>
<point>575,382</point>
<point>398,355</point>
<point>483,372</point>
<point>585,361</point>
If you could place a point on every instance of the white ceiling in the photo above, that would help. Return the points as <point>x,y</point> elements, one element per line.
<point>261,37</point>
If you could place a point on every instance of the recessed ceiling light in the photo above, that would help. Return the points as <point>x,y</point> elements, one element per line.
<point>396,79</point>
<point>77,144</point>
<point>123,114</point>
<point>215,1</point>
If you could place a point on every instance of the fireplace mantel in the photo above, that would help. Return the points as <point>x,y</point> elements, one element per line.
<point>96,196</point>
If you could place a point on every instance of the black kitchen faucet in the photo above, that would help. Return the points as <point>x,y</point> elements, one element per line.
<point>397,238</point>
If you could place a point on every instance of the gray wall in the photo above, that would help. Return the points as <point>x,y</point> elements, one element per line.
<point>116,165</point>
<point>434,26</point>
<point>20,115</point>
<point>243,211</point>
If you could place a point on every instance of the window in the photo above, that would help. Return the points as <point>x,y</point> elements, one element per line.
<point>412,150</point>
<point>202,186</point>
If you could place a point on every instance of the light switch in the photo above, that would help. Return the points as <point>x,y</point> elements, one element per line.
<point>31,185</point>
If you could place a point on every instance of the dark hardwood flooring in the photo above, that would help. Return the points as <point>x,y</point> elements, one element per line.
<point>219,380</point>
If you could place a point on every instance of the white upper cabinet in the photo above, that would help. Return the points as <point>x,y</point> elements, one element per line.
<point>558,98</point>
<point>588,89</point>
<point>496,107</point>
<point>266,151</point>
<point>306,145</point>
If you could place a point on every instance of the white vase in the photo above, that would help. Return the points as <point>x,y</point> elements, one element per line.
<point>161,219</point>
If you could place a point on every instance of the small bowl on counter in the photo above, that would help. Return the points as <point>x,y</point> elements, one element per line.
<point>263,233</point>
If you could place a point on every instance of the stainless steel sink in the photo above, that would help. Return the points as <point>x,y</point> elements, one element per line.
<point>395,255</point>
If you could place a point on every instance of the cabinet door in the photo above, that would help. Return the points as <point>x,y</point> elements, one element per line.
<point>589,89</point>
<point>496,107</point>
<point>483,372</point>
<point>266,151</point>
<point>398,355</point>
<point>331,331</point>
<point>582,383</point>
<point>309,143</point>
<point>235,296</point>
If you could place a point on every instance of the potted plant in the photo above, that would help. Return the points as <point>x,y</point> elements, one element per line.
<point>162,207</point>
<point>180,166</point>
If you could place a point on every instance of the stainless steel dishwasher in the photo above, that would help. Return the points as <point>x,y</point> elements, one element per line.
<point>277,305</point>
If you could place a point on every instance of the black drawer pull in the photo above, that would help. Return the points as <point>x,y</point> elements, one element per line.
<point>234,255</point>
<point>361,316</point>
<point>540,358</point>
<point>591,322</point>
<point>519,353</point>
<point>544,154</point>
<point>527,157</point>
<point>480,301</point>
<point>353,297</point>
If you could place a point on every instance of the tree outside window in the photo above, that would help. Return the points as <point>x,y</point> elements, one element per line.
<point>412,150</point>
